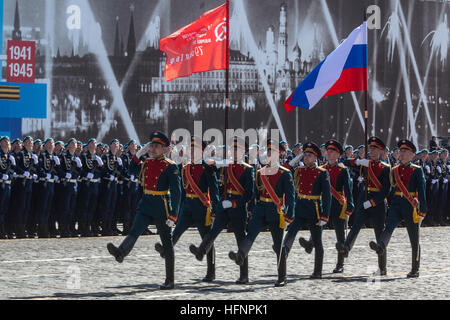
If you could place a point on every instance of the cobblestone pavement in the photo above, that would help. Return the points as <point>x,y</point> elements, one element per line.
<point>82,269</point>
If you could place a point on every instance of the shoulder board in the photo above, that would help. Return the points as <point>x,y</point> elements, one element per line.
<point>415,166</point>
<point>169,161</point>
<point>284,169</point>
<point>321,169</point>
<point>341,165</point>
<point>385,164</point>
<point>246,165</point>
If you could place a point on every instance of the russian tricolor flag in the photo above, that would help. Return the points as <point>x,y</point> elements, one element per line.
<point>344,70</point>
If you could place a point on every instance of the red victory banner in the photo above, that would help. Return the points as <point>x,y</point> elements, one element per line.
<point>198,47</point>
<point>21,60</point>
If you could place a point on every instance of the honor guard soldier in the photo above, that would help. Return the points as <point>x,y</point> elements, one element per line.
<point>89,187</point>
<point>32,216</point>
<point>159,205</point>
<point>7,164</point>
<point>408,204</point>
<point>47,163</point>
<point>239,188</point>
<point>22,189</point>
<point>108,188</point>
<point>342,198</point>
<point>373,207</point>
<point>432,176</point>
<point>130,187</point>
<point>275,204</point>
<point>444,163</point>
<point>202,200</point>
<point>57,194</point>
<point>68,173</point>
<point>312,208</point>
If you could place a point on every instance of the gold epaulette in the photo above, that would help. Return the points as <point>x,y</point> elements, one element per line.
<point>385,164</point>
<point>322,169</point>
<point>341,165</point>
<point>247,165</point>
<point>415,166</point>
<point>284,169</point>
<point>169,161</point>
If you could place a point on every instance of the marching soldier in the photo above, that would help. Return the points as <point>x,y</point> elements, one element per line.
<point>46,172</point>
<point>22,188</point>
<point>108,187</point>
<point>342,198</point>
<point>159,205</point>
<point>7,163</point>
<point>443,183</point>
<point>312,208</point>
<point>89,187</point>
<point>69,171</point>
<point>130,187</point>
<point>432,176</point>
<point>373,207</point>
<point>238,186</point>
<point>202,201</point>
<point>408,183</point>
<point>275,204</point>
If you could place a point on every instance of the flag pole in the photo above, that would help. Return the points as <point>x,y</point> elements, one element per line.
<point>366,112</point>
<point>227,70</point>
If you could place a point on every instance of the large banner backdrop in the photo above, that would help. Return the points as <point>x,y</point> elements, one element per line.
<point>105,72</point>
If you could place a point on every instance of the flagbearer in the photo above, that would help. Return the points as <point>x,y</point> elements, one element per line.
<point>342,200</point>
<point>239,192</point>
<point>275,202</point>
<point>408,204</point>
<point>373,207</point>
<point>202,200</point>
<point>312,209</point>
<point>159,177</point>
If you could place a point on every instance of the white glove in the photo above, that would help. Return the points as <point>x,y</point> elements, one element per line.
<point>448,167</point>
<point>360,179</point>
<point>227,204</point>
<point>170,223</point>
<point>367,204</point>
<point>78,161</point>
<point>143,151</point>
<point>90,175</point>
<point>119,161</point>
<point>362,162</point>
<point>439,169</point>
<point>35,158</point>
<point>56,159</point>
<point>26,174</point>
<point>13,160</point>
<point>295,160</point>
<point>4,177</point>
<point>99,160</point>
<point>428,169</point>
<point>445,180</point>
<point>14,174</point>
<point>68,175</point>
<point>49,176</point>
<point>56,178</point>
<point>131,177</point>
<point>212,219</point>
<point>433,181</point>
<point>111,177</point>
<point>35,176</point>
<point>322,223</point>
<point>287,223</point>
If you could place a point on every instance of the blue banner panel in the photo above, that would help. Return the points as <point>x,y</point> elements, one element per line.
<point>11,128</point>
<point>23,100</point>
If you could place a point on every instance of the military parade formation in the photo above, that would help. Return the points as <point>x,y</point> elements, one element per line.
<point>55,189</point>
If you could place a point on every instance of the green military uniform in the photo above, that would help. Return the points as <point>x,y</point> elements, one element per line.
<point>159,204</point>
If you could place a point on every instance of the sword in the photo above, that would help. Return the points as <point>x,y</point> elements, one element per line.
<point>281,245</point>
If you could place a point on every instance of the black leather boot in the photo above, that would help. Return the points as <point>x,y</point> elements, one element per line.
<point>243,270</point>
<point>43,231</point>
<point>170,274</point>
<point>106,229</point>
<point>318,263</point>
<point>211,266</point>
<point>160,249</point>
<point>20,231</point>
<point>123,250</point>
<point>382,261</point>
<point>200,251</point>
<point>340,264</point>
<point>3,232</point>
<point>307,245</point>
<point>281,282</point>
<point>244,249</point>
<point>414,273</point>
<point>343,249</point>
